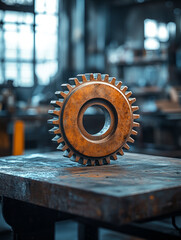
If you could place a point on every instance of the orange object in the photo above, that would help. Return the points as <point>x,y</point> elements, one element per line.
<point>101,91</point>
<point>18,138</point>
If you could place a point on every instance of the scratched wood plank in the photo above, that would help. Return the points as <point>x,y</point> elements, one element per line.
<point>132,188</point>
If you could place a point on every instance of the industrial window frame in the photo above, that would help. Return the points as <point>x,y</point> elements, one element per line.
<point>28,8</point>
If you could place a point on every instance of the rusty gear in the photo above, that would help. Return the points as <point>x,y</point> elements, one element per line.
<point>70,134</point>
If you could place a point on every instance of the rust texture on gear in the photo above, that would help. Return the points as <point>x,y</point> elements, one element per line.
<point>88,90</point>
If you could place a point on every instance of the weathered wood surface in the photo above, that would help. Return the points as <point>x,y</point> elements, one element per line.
<point>132,188</point>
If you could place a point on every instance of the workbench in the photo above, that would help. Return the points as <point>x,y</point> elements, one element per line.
<point>39,189</point>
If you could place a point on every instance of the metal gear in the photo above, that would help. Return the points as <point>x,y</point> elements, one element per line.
<point>89,90</point>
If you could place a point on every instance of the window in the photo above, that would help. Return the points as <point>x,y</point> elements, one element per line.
<point>29,43</point>
<point>156,33</point>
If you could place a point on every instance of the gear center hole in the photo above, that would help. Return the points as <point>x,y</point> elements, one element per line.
<point>96,120</point>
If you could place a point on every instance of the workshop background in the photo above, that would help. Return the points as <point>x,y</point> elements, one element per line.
<point>45,42</point>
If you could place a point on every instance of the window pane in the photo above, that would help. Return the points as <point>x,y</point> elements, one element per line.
<point>23,2</point>
<point>1,15</point>
<point>10,27</point>
<point>46,6</point>
<point>46,46</point>
<point>46,23</point>
<point>18,38</point>
<point>28,18</point>
<point>52,6</point>
<point>1,46</point>
<point>26,75</point>
<point>10,16</point>
<point>45,71</point>
<point>11,72</point>
<point>11,43</point>
<point>1,75</point>
<point>20,17</point>
<point>40,6</point>
<point>26,42</point>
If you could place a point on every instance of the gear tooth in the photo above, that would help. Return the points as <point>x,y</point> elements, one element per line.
<point>54,139</point>
<point>57,93</point>
<point>70,154</point>
<point>134,108</point>
<point>99,77</point>
<point>60,140</point>
<point>113,81</point>
<point>106,78</point>
<point>56,103</point>
<point>66,86</point>
<point>57,131</point>
<point>59,103</point>
<point>77,83</point>
<point>84,79</point>
<point>114,156</point>
<point>71,81</point>
<point>54,112</point>
<point>60,146</point>
<point>53,121</point>
<point>136,124</point>
<point>85,161</point>
<point>53,102</point>
<point>121,152</point>
<point>132,100</point>
<point>133,132</point>
<point>69,87</point>
<point>60,94</point>
<point>65,147</point>
<point>100,161</point>
<point>74,81</point>
<point>131,140</point>
<point>57,139</point>
<point>51,112</point>
<point>63,94</point>
<point>92,77</point>
<point>92,162</point>
<point>77,158</point>
<point>124,89</point>
<point>65,153</point>
<point>108,160</point>
<point>52,130</point>
<point>119,85</point>
<point>56,122</point>
<point>128,94</point>
<point>136,116</point>
<point>126,146</point>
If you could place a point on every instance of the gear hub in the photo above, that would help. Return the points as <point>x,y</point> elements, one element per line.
<point>88,90</point>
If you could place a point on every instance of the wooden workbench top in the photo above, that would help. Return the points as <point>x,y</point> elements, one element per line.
<point>134,187</point>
